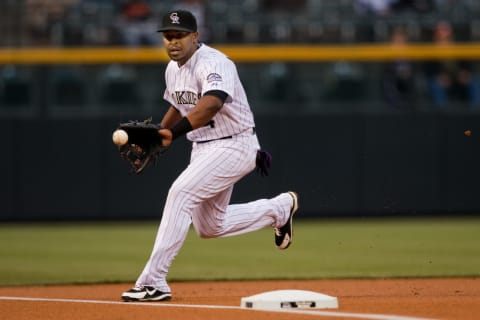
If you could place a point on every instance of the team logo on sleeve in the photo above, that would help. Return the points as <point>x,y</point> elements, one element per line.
<point>213,77</point>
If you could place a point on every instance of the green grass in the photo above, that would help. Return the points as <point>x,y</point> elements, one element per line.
<point>117,252</point>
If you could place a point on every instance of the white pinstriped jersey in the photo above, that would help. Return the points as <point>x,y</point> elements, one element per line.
<point>201,194</point>
<point>209,69</point>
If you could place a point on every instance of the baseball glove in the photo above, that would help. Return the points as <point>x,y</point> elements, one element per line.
<point>144,144</point>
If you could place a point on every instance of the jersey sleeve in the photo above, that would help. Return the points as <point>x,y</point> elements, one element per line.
<point>217,75</point>
<point>167,94</point>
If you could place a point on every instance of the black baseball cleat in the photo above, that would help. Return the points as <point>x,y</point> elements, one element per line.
<point>145,294</point>
<point>284,234</point>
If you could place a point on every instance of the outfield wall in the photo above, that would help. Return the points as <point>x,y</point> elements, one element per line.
<point>344,164</point>
<point>319,110</point>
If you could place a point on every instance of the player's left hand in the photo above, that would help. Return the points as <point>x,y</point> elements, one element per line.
<point>144,144</point>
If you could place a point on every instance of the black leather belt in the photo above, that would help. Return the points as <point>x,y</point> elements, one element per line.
<point>223,138</point>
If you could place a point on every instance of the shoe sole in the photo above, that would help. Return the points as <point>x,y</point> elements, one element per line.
<point>288,239</point>
<point>165,297</point>
<point>294,195</point>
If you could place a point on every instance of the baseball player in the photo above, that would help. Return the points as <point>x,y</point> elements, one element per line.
<point>209,105</point>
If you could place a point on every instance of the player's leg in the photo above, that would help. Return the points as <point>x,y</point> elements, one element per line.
<point>170,237</point>
<point>208,179</point>
<point>215,218</point>
<point>211,220</point>
<point>210,171</point>
<point>152,285</point>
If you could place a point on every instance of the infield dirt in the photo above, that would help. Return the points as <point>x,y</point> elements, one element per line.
<point>452,298</point>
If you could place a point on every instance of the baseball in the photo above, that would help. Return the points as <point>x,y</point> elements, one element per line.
<point>120,137</point>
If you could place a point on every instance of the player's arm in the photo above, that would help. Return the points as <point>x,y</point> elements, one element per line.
<point>205,109</point>
<point>171,117</point>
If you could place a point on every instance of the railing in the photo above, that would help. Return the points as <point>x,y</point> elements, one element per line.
<point>279,79</point>
<point>246,53</point>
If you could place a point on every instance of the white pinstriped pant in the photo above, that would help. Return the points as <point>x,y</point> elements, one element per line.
<point>201,195</point>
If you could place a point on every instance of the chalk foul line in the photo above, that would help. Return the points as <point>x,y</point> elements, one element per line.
<point>312,312</point>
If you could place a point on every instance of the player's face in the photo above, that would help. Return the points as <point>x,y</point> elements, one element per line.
<point>180,45</point>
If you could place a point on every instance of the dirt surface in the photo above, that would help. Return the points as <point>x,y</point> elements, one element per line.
<point>389,299</point>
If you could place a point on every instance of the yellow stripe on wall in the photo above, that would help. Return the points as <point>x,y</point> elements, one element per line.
<point>243,53</point>
<point>81,55</point>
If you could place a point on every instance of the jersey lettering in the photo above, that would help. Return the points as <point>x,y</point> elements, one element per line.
<point>186,97</point>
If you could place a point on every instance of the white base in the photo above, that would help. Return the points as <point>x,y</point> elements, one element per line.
<point>281,299</point>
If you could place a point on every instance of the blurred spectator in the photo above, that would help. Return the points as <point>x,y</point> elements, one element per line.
<point>373,14</point>
<point>398,82</point>
<point>386,7</point>
<point>450,80</point>
<point>197,7</point>
<point>45,20</point>
<point>283,5</point>
<point>136,24</point>
<point>278,18</point>
<point>375,7</point>
<point>420,6</point>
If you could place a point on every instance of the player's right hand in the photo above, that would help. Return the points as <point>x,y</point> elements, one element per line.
<point>166,135</point>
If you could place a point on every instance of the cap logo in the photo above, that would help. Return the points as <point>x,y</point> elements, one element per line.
<point>175,18</point>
